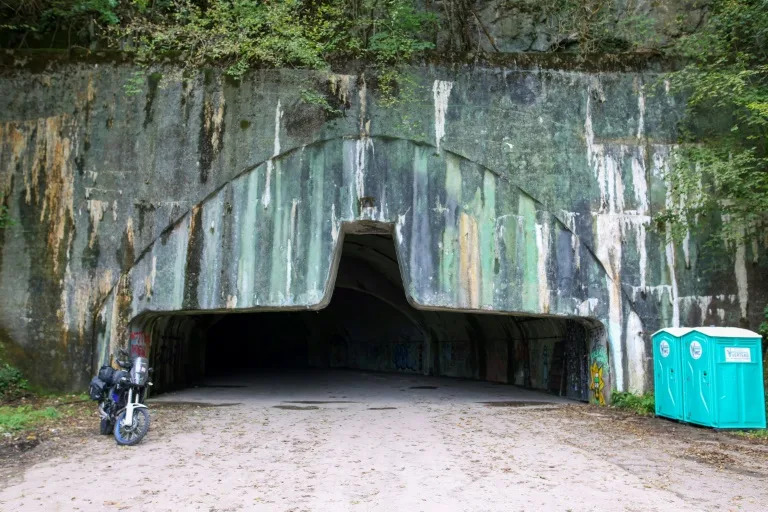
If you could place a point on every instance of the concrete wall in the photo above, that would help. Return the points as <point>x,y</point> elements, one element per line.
<point>507,189</point>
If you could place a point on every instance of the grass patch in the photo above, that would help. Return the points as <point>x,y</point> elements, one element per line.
<point>643,405</point>
<point>13,419</point>
<point>761,434</point>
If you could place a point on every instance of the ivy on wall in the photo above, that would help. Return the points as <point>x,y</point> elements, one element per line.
<point>721,167</point>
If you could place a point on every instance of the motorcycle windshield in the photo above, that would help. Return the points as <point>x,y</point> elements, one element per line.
<point>139,371</point>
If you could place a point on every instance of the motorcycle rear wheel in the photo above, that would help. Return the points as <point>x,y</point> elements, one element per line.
<point>133,434</point>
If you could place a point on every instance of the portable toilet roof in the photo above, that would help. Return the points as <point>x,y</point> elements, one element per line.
<point>713,332</point>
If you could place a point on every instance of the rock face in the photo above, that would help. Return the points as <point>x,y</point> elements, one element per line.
<point>522,190</point>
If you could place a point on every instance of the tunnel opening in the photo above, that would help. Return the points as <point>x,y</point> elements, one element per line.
<point>369,325</point>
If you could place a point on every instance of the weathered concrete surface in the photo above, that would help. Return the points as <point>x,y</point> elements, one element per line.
<point>507,190</point>
<point>375,443</point>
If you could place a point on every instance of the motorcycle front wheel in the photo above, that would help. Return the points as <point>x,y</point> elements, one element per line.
<point>129,435</point>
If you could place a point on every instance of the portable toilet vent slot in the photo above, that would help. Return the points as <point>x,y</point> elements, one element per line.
<point>711,376</point>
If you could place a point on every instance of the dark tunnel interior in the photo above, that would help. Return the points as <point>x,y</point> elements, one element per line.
<point>369,325</point>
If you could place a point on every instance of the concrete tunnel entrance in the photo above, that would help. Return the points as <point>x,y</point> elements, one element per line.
<point>369,325</point>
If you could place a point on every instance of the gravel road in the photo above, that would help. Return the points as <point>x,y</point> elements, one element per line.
<point>350,440</point>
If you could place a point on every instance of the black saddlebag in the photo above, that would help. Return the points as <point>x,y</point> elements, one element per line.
<point>97,389</point>
<point>106,373</point>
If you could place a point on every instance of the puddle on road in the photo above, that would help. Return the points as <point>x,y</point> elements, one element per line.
<point>296,407</point>
<point>423,387</point>
<point>228,386</point>
<point>381,408</point>
<point>318,402</point>
<point>515,404</point>
<point>171,405</point>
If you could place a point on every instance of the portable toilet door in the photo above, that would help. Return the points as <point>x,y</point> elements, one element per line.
<point>667,373</point>
<point>738,380</point>
<point>697,378</point>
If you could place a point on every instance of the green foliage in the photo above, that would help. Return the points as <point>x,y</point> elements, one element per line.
<point>643,405</point>
<point>235,34</point>
<point>306,33</point>
<point>722,166</point>
<point>24,416</point>
<point>5,219</point>
<point>134,85</point>
<point>12,382</point>
<point>312,97</point>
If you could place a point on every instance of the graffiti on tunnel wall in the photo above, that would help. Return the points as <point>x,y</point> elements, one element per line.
<point>599,358</point>
<point>139,344</point>
<point>407,357</point>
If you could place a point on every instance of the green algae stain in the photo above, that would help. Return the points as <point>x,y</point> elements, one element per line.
<point>450,247</point>
<point>487,245</point>
<point>246,264</point>
<point>529,256</point>
<point>318,213</point>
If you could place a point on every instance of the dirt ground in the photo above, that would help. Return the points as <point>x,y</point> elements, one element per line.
<point>365,441</point>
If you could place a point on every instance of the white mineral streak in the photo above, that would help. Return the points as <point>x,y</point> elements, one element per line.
<point>687,248</point>
<point>209,289</point>
<point>635,353</point>
<point>640,188</point>
<point>152,275</point>
<point>231,301</point>
<point>609,235</point>
<point>659,291</point>
<point>740,269</point>
<point>671,257</point>
<point>340,87</point>
<point>362,96</point>
<point>289,252</point>
<point>96,211</point>
<point>542,248</point>
<point>267,197</point>
<point>399,228</point>
<point>670,253</point>
<point>181,233</point>
<point>755,253</point>
<point>441,90</point>
<point>334,224</point>
<point>587,307</point>
<point>701,301</point>
<point>361,149</point>
<point>570,223</point>
<point>278,116</point>
<point>641,113</point>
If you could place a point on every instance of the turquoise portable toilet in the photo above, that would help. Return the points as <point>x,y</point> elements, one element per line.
<point>667,372</point>
<point>723,377</point>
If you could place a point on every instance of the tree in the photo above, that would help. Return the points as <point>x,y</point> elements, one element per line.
<point>721,166</point>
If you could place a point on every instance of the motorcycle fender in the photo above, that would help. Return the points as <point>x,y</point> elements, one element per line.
<point>135,406</point>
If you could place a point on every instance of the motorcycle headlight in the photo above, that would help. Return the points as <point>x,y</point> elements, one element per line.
<point>140,371</point>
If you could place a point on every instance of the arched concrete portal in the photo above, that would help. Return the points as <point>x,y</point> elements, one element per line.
<point>370,325</point>
<point>466,239</point>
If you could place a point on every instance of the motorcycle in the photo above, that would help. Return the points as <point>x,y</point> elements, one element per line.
<point>121,395</point>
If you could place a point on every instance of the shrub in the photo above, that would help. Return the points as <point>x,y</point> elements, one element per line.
<point>643,405</point>
<point>12,383</point>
